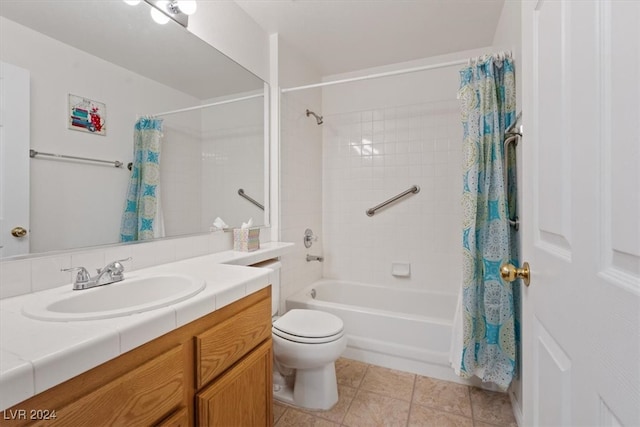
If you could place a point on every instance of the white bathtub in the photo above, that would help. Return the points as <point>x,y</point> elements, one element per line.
<point>403,329</point>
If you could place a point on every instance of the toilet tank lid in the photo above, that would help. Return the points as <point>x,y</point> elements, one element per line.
<point>309,323</point>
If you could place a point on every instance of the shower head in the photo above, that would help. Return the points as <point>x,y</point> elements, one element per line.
<point>318,118</point>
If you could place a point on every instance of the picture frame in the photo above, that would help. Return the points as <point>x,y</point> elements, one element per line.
<point>87,115</point>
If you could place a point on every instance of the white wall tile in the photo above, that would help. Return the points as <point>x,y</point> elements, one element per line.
<point>15,278</point>
<point>189,247</point>
<point>46,274</point>
<point>301,204</point>
<point>420,229</point>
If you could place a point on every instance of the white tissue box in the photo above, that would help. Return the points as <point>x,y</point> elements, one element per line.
<point>246,239</point>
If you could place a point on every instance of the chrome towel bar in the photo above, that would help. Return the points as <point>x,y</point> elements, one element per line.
<point>413,190</point>
<point>115,163</point>
<point>243,194</point>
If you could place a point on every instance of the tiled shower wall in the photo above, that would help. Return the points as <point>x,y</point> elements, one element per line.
<point>301,190</point>
<point>372,155</point>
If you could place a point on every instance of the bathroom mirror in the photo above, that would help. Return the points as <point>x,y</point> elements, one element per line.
<point>111,60</point>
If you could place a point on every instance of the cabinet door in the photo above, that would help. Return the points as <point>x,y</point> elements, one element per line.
<point>243,395</point>
<point>227,342</point>
<point>139,398</point>
<point>179,418</point>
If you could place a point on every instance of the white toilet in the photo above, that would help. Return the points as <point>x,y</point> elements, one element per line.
<point>306,344</point>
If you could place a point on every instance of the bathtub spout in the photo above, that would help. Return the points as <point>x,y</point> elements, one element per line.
<point>314,258</point>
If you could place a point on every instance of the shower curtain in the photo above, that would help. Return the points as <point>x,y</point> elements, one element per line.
<point>142,217</point>
<point>487,342</point>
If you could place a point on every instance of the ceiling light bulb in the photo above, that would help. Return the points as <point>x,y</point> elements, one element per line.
<point>188,7</point>
<point>159,17</point>
<point>131,2</point>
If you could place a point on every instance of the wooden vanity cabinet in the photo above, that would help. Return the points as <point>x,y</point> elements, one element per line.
<point>214,371</point>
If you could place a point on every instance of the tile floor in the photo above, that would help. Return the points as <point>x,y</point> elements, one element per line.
<point>370,395</point>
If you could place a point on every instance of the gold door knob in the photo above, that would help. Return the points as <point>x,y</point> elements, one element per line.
<point>510,273</point>
<point>18,232</point>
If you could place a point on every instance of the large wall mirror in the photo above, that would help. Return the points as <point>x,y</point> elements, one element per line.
<point>93,68</point>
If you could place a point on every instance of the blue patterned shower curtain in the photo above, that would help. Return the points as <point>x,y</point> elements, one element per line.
<point>489,313</point>
<point>142,219</point>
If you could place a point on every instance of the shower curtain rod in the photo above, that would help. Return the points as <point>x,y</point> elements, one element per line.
<point>393,73</point>
<point>213,104</point>
<point>378,75</point>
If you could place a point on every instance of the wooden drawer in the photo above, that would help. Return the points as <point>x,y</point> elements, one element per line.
<point>143,396</point>
<point>224,344</point>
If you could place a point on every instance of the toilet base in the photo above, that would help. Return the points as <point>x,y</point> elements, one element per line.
<point>284,394</point>
<point>312,389</point>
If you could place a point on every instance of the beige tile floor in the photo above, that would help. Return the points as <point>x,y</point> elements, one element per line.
<point>370,395</point>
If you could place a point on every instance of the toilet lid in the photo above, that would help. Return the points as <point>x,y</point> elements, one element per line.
<point>309,324</point>
<point>305,340</point>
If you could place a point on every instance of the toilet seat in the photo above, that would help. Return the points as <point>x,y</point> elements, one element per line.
<point>308,327</point>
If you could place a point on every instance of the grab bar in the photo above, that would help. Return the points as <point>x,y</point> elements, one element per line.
<point>242,194</point>
<point>115,163</point>
<point>510,137</point>
<point>415,189</point>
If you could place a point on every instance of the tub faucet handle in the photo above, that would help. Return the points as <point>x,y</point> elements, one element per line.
<point>309,238</point>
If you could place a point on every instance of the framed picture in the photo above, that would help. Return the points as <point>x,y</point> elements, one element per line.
<point>87,115</point>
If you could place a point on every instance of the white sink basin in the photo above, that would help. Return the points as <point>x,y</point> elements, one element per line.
<point>130,296</point>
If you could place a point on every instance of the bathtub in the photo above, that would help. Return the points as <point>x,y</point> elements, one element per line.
<point>403,329</point>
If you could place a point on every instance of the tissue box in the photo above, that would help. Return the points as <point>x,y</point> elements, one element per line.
<point>246,239</point>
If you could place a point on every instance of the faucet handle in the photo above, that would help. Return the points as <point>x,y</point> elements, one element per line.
<point>115,265</point>
<point>82,276</point>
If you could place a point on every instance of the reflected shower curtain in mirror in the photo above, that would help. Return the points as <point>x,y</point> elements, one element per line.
<point>142,217</point>
<point>488,342</point>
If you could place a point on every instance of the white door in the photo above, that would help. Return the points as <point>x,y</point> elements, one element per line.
<point>14,160</point>
<point>581,212</point>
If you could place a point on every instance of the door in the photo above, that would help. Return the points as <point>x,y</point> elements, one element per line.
<point>14,160</point>
<point>581,212</point>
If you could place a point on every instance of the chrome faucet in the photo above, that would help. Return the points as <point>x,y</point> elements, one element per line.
<point>314,258</point>
<point>111,273</point>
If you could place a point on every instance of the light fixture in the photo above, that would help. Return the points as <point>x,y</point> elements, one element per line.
<point>178,10</point>
<point>158,16</point>
<point>131,2</point>
<point>188,7</point>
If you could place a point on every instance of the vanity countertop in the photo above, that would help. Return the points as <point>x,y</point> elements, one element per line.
<point>37,355</point>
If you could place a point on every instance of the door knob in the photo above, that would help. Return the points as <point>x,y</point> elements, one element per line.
<point>18,232</point>
<point>509,272</point>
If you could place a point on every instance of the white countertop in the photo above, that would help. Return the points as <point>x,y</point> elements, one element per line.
<point>37,355</point>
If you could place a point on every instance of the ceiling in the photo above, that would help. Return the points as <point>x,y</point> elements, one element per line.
<point>338,36</point>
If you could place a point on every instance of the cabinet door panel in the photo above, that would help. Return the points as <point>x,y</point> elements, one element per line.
<point>242,396</point>
<point>141,397</point>
<point>227,342</point>
<point>179,418</point>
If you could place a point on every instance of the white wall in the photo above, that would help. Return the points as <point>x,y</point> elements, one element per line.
<point>57,186</point>
<point>300,171</point>
<point>228,28</point>
<point>508,37</point>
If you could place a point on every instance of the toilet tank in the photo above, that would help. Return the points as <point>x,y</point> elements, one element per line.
<point>274,278</point>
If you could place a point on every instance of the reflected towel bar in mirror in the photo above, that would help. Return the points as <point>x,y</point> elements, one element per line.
<point>115,163</point>
<point>243,194</point>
